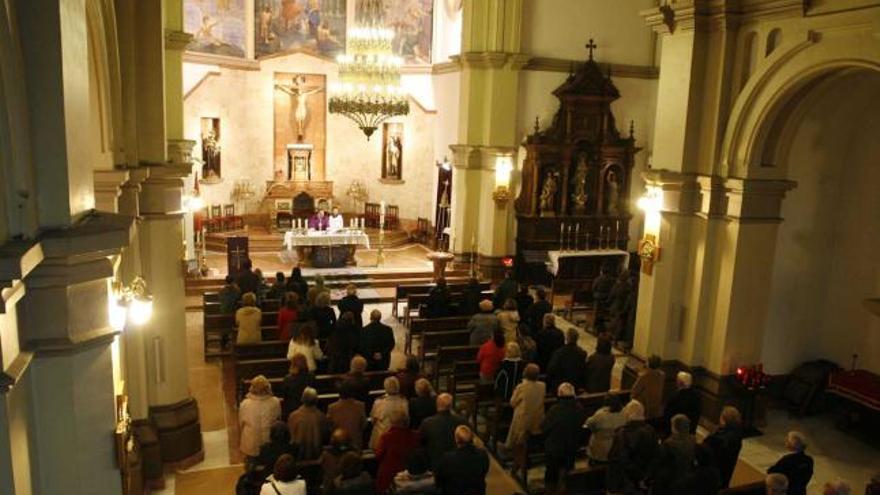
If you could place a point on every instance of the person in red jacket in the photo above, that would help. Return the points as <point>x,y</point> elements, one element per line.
<point>393,449</point>
<point>287,315</point>
<point>490,355</point>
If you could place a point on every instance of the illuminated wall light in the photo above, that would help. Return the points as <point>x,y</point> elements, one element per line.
<point>503,171</point>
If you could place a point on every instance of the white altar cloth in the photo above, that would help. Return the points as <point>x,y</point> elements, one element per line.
<point>326,238</point>
<point>554,256</point>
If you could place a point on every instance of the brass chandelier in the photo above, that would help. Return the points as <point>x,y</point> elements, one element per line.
<point>369,90</point>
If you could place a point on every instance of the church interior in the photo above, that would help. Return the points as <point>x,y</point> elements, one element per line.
<point>439,247</point>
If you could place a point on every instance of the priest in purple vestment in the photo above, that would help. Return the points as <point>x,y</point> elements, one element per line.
<point>319,221</point>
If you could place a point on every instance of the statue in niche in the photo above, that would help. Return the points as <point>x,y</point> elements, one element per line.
<point>613,193</point>
<point>548,194</point>
<point>393,156</point>
<point>392,151</point>
<point>299,92</point>
<point>210,150</point>
<point>579,196</point>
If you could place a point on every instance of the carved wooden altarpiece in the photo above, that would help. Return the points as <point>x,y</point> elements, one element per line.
<point>576,177</point>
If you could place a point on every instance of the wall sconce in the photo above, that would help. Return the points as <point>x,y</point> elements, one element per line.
<point>130,304</point>
<point>652,204</point>
<point>503,170</point>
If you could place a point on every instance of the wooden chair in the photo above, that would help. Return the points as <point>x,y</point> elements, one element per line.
<point>230,219</point>
<point>422,231</point>
<point>392,217</point>
<point>581,300</point>
<point>282,214</point>
<point>371,215</point>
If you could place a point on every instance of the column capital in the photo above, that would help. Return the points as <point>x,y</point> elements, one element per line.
<point>681,192</point>
<point>177,40</point>
<point>713,196</point>
<point>180,151</point>
<point>756,200</point>
<point>108,188</point>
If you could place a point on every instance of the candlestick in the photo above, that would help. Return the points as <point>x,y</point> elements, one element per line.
<point>561,235</point>
<point>570,231</point>
<point>601,237</point>
<point>617,234</point>
<point>588,240</point>
<point>577,234</point>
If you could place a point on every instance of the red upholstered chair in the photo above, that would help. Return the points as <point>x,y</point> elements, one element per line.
<point>231,221</point>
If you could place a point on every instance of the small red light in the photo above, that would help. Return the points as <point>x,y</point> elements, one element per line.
<point>507,262</point>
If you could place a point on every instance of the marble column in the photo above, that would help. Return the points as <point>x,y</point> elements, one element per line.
<point>172,409</point>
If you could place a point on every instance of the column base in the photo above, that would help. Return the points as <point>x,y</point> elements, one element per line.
<point>179,432</point>
<point>151,456</point>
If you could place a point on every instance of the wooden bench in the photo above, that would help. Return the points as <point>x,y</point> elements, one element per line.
<point>402,291</point>
<point>267,305</point>
<point>415,303</point>
<point>433,341</point>
<point>261,350</point>
<point>324,384</point>
<point>420,326</point>
<point>446,358</point>
<point>587,481</point>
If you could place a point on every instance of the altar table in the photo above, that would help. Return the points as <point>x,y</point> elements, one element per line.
<point>859,386</point>
<point>555,257</point>
<point>322,249</point>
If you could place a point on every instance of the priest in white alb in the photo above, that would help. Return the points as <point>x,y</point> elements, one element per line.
<point>337,223</point>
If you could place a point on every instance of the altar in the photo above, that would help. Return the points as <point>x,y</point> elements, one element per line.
<point>324,249</point>
<point>573,269</point>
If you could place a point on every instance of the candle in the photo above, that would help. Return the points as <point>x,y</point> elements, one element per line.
<point>577,234</point>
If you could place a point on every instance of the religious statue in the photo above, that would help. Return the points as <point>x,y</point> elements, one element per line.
<point>298,90</point>
<point>210,156</point>
<point>548,194</point>
<point>579,196</point>
<point>266,34</point>
<point>613,193</point>
<point>392,156</point>
<point>358,194</point>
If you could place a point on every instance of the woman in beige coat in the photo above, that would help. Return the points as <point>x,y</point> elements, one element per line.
<point>508,318</point>
<point>385,407</point>
<point>528,413</point>
<point>248,319</point>
<point>256,414</point>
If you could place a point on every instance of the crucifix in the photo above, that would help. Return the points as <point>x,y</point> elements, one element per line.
<point>591,46</point>
<point>237,251</point>
<point>298,91</point>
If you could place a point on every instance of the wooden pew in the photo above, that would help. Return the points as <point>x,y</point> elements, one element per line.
<point>414,303</point>
<point>447,356</point>
<point>402,291</point>
<point>261,350</point>
<point>587,481</point>
<point>431,342</point>
<point>420,326</point>
<point>324,384</point>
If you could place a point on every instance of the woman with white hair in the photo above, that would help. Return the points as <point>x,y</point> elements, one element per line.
<point>256,414</point>
<point>527,402</point>
<point>797,466</point>
<point>633,451</point>
<point>561,427</point>
<point>385,407</point>
<point>837,487</point>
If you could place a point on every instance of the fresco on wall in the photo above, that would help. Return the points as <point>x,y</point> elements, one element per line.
<point>316,27</point>
<point>217,26</point>
<point>413,25</point>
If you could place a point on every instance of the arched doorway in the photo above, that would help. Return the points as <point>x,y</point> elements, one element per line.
<point>825,263</point>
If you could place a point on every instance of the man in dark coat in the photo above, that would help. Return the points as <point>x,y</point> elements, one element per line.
<point>726,442</point>
<point>568,363</point>
<point>351,302</point>
<point>796,466</point>
<point>437,431</point>
<point>358,385</point>
<point>599,367</point>
<point>685,400</point>
<point>562,427</point>
<point>377,342</point>
<point>534,316</point>
<point>462,471</point>
<point>523,299</point>
<point>438,303</point>
<point>548,340</point>
<point>505,290</point>
<point>247,280</point>
<point>633,450</point>
<point>675,459</point>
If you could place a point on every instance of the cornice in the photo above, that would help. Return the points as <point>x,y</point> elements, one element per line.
<point>453,65</point>
<point>13,373</point>
<point>222,61</point>
<point>549,64</point>
<point>713,15</point>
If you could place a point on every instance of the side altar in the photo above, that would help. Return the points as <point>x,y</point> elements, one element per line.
<point>576,185</point>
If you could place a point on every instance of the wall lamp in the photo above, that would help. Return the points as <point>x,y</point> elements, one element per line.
<point>131,304</point>
<point>503,171</point>
<point>649,250</point>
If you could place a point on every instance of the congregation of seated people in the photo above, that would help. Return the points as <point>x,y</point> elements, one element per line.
<point>410,440</point>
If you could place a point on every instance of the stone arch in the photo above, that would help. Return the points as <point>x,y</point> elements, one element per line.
<point>786,75</point>
<point>749,58</point>
<point>103,49</point>
<point>18,211</point>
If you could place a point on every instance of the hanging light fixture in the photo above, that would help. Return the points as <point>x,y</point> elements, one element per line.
<point>369,90</point>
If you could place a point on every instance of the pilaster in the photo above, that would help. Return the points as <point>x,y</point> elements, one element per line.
<point>108,189</point>
<point>490,68</point>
